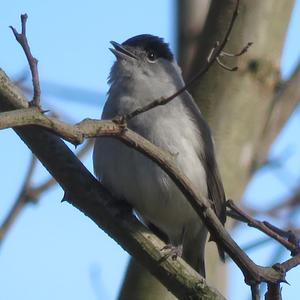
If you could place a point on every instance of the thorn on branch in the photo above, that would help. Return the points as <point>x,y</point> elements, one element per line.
<point>32,61</point>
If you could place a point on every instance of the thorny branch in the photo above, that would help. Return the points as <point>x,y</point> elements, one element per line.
<point>253,273</point>
<point>92,128</point>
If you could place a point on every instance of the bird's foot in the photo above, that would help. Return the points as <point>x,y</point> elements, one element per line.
<point>173,251</point>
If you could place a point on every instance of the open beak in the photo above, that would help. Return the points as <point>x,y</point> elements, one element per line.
<point>120,51</point>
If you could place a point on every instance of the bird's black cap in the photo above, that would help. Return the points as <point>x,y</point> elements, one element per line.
<point>148,42</point>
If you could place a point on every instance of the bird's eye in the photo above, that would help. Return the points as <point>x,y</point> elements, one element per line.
<point>151,56</point>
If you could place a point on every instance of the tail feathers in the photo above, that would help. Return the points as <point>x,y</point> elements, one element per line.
<point>193,252</point>
<point>221,252</point>
<point>220,249</point>
<point>196,260</point>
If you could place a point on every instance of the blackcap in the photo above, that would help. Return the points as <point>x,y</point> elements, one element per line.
<point>145,70</point>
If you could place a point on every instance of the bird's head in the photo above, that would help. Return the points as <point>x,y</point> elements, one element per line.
<point>145,59</point>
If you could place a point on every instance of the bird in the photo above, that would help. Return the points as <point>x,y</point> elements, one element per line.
<point>145,70</point>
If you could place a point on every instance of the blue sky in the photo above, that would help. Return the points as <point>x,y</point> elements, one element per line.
<point>53,251</point>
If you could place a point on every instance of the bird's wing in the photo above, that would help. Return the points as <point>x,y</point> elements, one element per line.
<point>214,184</point>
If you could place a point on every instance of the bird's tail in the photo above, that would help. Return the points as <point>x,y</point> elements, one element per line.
<point>193,251</point>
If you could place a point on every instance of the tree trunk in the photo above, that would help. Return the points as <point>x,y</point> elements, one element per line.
<point>237,104</point>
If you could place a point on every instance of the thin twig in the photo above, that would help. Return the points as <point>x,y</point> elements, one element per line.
<point>21,200</point>
<point>242,52</point>
<point>32,194</point>
<point>271,230</point>
<point>223,53</point>
<point>230,69</point>
<point>32,61</point>
<point>217,50</point>
<point>290,263</point>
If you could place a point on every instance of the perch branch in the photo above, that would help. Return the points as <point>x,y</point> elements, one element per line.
<point>94,128</point>
<point>89,196</point>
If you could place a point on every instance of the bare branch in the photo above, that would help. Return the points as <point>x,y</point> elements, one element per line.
<point>92,128</point>
<point>273,292</point>
<point>223,53</point>
<point>32,61</point>
<point>212,59</point>
<point>21,200</point>
<point>255,292</point>
<point>290,263</point>
<point>30,194</point>
<point>242,52</point>
<point>230,69</point>
<point>270,230</point>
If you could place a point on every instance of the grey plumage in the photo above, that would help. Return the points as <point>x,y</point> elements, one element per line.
<point>146,70</point>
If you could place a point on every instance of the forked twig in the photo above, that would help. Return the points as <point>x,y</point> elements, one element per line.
<point>215,53</point>
<point>285,238</point>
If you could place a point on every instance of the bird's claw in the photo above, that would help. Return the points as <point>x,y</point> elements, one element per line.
<point>174,251</point>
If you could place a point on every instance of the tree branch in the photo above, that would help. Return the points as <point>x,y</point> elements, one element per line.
<point>32,61</point>
<point>212,58</point>
<point>267,228</point>
<point>92,128</point>
<point>31,194</point>
<point>88,195</point>
<point>21,200</point>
